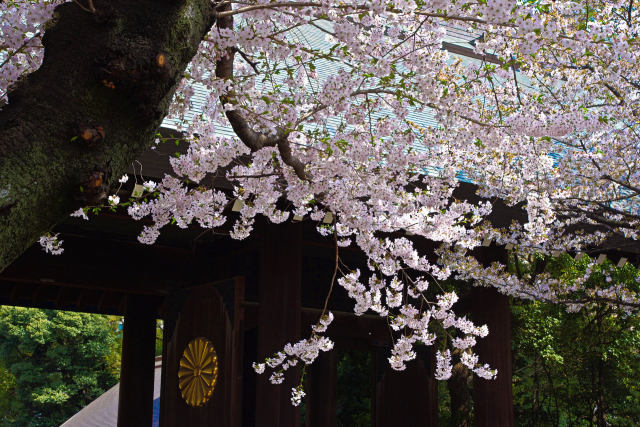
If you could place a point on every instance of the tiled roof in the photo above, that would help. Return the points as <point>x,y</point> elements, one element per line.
<point>103,412</point>
<point>316,39</point>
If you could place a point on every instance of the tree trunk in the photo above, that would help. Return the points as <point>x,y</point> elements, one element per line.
<point>72,127</point>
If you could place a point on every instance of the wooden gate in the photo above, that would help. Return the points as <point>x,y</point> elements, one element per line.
<point>197,377</point>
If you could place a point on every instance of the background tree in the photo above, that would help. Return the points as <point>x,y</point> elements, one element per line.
<point>53,363</point>
<point>579,369</point>
<point>576,368</point>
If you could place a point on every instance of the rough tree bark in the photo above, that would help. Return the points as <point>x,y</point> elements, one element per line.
<point>72,127</point>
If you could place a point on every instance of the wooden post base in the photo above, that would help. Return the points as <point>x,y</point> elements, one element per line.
<point>135,402</point>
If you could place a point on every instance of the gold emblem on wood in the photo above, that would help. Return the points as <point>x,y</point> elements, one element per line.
<point>198,372</point>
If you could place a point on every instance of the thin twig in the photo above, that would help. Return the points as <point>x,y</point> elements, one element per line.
<point>90,9</point>
<point>253,64</point>
<point>515,79</point>
<point>15,52</point>
<point>335,269</point>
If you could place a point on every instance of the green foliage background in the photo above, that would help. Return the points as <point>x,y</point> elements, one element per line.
<point>582,368</point>
<point>570,365</point>
<point>354,388</point>
<point>53,363</point>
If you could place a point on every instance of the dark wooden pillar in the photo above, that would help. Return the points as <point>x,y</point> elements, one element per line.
<point>278,318</point>
<point>322,391</point>
<point>135,402</point>
<point>238,359</point>
<point>409,397</point>
<point>493,400</point>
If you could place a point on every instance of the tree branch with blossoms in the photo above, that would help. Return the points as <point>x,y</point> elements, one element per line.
<point>305,350</point>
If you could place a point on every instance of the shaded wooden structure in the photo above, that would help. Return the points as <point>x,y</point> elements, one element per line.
<point>248,299</point>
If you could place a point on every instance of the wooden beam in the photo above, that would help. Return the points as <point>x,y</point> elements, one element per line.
<point>12,297</point>
<point>95,263</point>
<point>469,53</point>
<point>351,331</point>
<point>56,297</point>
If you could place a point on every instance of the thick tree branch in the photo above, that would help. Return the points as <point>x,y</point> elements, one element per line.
<point>109,77</point>
<point>252,139</point>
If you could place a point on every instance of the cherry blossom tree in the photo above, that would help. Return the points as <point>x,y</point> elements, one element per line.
<point>545,118</point>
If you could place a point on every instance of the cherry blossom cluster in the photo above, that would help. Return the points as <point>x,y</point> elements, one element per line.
<point>305,351</point>
<point>20,39</point>
<point>594,283</point>
<point>297,393</point>
<point>51,244</point>
<point>444,365</point>
<point>180,204</point>
<point>414,323</point>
